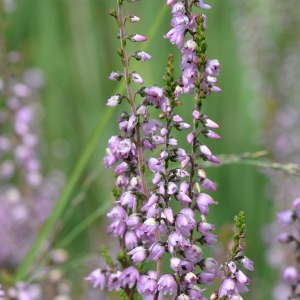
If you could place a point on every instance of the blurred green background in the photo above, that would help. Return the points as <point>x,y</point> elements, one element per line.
<point>74,43</point>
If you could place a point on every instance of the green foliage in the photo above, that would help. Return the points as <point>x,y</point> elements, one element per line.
<point>116,193</point>
<point>107,257</point>
<point>122,258</point>
<point>122,294</point>
<point>238,242</point>
<point>169,77</point>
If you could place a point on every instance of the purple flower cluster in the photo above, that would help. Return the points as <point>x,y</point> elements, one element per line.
<point>27,196</point>
<point>184,21</point>
<point>235,281</point>
<point>144,218</point>
<point>289,219</point>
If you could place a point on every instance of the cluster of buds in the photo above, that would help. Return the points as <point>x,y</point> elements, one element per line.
<point>290,221</point>
<point>234,281</point>
<point>145,218</point>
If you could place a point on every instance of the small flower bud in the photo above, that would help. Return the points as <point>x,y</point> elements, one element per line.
<point>205,227</point>
<point>232,267</point>
<point>157,178</point>
<point>149,226</point>
<point>201,173</point>
<point>172,188</point>
<point>205,150</point>
<point>247,263</point>
<point>182,126</point>
<point>242,278</point>
<point>196,114</point>
<point>211,79</point>
<point>213,159</point>
<point>190,45</point>
<point>114,100</point>
<point>286,217</point>
<point>137,38</point>
<point>190,278</point>
<point>121,168</point>
<point>113,13</point>
<point>163,131</point>
<point>170,2</point>
<point>143,111</point>
<point>242,246</point>
<point>169,214</point>
<point>209,265</point>
<point>172,142</point>
<point>177,118</point>
<point>291,276</point>
<point>190,137</point>
<point>208,185</point>
<point>216,89</point>
<point>178,91</point>
<point>141,55</point>
<point>211,135</point>
<point>115,75</point>
<point>134,19</point>
<point>211,124</point>
<point>137,78</point>
<point>201,4</point>
<point>174,263</point>
<point>182,173</point>
<point>157,140</point>
<point>185,162</point>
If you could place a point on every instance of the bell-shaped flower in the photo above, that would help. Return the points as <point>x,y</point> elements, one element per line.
<point>184,224</point>
<point>129,277</point>
<point>141,55</point>
<point>150,287</point>
<point>128,199</point>
<point>156,251</point>
<point>155,165</point>
<point>203,201</point>
<point>149,226</point>
<point>167,284</point>
<point>97,278</point>
<point>228,288</point>
<point>138,254</point>
<point>130,240</point>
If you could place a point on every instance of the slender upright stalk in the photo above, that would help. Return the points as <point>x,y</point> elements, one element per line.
<point>130,95</point>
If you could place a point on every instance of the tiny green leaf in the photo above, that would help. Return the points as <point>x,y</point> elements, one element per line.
<point>107,257</point>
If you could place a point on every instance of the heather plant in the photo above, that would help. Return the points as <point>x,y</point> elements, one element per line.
<point>289,219</point>
<point>162,215</point>
<point>145,218</point>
